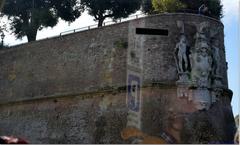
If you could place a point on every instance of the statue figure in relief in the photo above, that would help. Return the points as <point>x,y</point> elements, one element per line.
<point>181,53</point>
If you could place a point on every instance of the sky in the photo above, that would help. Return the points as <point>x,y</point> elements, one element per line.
<point>231,21</point>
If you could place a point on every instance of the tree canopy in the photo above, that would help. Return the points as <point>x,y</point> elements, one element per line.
<point>28,16</point>
<point>147,7</point>
<point>1,4</point>
<point>215,7</point>
<point>162,6</point>
<point>189,6</point>
<point>102,9</point>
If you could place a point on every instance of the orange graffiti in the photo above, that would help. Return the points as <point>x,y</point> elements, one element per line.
<point>131,132</point>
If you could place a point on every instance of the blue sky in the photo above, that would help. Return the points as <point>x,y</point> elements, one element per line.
<point>231,24</point>
<point>230,21</point>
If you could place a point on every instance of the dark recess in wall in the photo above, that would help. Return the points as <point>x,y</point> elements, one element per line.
<point>148,31</point>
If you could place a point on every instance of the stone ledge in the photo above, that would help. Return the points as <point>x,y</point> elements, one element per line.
<point>100,92</point>
<point>106,90</point>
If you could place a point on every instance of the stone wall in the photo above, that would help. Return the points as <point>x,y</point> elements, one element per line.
<point>77,63</point>
<point>72,89</point>
<point>92,60</point>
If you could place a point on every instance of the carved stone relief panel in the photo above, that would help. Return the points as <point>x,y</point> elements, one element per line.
<point>200,81</point>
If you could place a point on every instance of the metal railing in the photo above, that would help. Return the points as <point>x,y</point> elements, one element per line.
<point>107,23</point>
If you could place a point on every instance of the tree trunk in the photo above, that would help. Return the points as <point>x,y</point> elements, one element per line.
<point>100,22</point>
<point>32,27</point>
<point>32,35</point>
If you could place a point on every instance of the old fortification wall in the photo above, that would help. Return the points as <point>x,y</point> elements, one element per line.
<point>92,60</point>
<point>72,89</point>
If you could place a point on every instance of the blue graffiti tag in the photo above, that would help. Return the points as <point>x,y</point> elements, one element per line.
<point>133,92</point>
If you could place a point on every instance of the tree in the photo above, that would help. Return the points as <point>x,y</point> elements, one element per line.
<point>215,7</point>
<point>29,16</point>
<point>147,7</point>
<point>162,6</point>
<point>1,4</point>
<point>115,9</point>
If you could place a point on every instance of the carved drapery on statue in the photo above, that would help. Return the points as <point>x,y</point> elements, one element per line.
<point>200,81</point>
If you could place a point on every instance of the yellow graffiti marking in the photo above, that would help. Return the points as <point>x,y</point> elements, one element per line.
<point>131,132</point>
<point>12,77</point>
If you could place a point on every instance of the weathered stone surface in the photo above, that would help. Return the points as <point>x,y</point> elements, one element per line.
<point>92,60</point>
<point>72,89</point>
<point>76,119</point>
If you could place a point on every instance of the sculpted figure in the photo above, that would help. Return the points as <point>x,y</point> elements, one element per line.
<point>202,34</point>
<point>216,57</point>
<point>202,66</point>
<point>201,58</point>
<point>181,51</point>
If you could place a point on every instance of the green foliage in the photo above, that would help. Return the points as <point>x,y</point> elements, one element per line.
<point>121,44</point>
<point>29,16</point>
<point>147,7</point>
<point>162,6</point>
<point>1,4</point>
<point>115,9</point>
<point>215,7</point>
